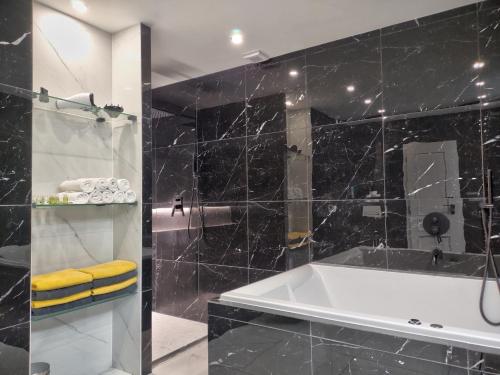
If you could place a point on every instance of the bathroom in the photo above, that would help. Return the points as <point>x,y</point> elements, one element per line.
<point>231,187</point>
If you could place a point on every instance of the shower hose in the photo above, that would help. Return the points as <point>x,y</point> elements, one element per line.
<point>487,219</point>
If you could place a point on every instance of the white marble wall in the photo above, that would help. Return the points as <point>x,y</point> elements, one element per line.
<point>80,58</point>
<point>127,163</point>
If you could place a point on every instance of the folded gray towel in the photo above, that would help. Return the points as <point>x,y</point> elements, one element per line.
<point>130,289</point>
<point>60,293</point>
<point>62,307</point>
<point>114,280</point>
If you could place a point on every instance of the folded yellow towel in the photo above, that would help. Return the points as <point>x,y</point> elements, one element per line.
<point>114,288</point>
<point>60,301</point>
<point>110,269</point>
<point>59,279</point>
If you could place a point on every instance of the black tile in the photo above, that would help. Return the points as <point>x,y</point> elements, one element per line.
<point>147,236</point>
<point>421,261</point>
<point>432,156</point>
<point>344,82</point>
<point>173,174</point>
<point>267,236</point>
<point>255,275</point>
<point>174,129</point>
<point>330,357</point>
<point>396,345</point>
<point>273,93</point>
<point>344,226</point>
<point>405,225</point>
<point>15,150</point>
<point>347,161</point>
<point>266,167</point>
<point>177,245</point>
<point>491,146</point>
<point>222,170</point>
<point>16,28</point>
<point>214,280</point>
<point>430,66</point>
<point>220,310</point>
<point>224,236</point>
<point>221,105</point>
<point>14,349</point>
<point>489,49</point>
<point>147,177</point>
<point>238,348</point>
<point>176,290</point>
<point>15,255</point>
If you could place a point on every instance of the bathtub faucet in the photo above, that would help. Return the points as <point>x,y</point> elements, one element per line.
<point>437,255</point>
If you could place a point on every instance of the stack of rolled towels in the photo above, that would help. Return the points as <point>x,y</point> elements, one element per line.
<point>72,288</point>
<point>97,191</point>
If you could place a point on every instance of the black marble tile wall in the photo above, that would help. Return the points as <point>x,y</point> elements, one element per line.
<point>245,341</point>
<point>335,152</point>
<point>15,185</point>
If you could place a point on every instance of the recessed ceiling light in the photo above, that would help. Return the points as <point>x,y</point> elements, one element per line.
<point>293,73</point>
<point>351,88</point>
<point>480,83</point>
<point>368,101</point>
<point>478,65</point>
<point>288,103</point>
<point>236,37</point>
<point>79,6</point>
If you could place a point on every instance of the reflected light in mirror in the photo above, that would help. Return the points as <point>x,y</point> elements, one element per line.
<point>236,37</point>
<point>478,65</point>
<point>482,96</point>
<point>381,111</point>
<point>351,88</point>
<point>66,35</point>
<point>480,83</point>
<point>293,73</point>
<point>289,103</point>
<point>368,101</point>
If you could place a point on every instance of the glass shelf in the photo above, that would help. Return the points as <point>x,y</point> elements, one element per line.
<point>36,205</point>
<point>37,318</point>
<point>46,102</point>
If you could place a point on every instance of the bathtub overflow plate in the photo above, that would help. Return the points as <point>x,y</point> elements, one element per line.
<point>435,325</point>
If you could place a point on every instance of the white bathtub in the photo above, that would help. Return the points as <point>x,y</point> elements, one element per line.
<point>380,301</point>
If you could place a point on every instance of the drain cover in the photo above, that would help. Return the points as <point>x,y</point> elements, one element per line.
<point>415,322</point>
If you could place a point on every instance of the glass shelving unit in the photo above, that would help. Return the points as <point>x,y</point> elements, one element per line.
<point>43,101</point>
<point>70,205</point>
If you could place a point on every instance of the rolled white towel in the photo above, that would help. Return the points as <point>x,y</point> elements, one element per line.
<point>119,196</point>
<point>96,197</point>
<point>101,183</point>
<point>87,185</point>
<point>123,184</point>
<point>113,184</point>
<point>130,196</point>
<point>74,197</point>
<point>107,196</point>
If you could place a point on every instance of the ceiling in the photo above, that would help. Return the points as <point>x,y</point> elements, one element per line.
<point>190,38</point>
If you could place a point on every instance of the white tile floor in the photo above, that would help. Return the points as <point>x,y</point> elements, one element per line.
<point>193,361</point>
<point>171,334</point>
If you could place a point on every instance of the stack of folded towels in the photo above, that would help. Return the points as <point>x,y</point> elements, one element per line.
<point>67,289</point>
<point>97,191</point>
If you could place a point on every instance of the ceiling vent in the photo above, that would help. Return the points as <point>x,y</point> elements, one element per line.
<point>256,56</point>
